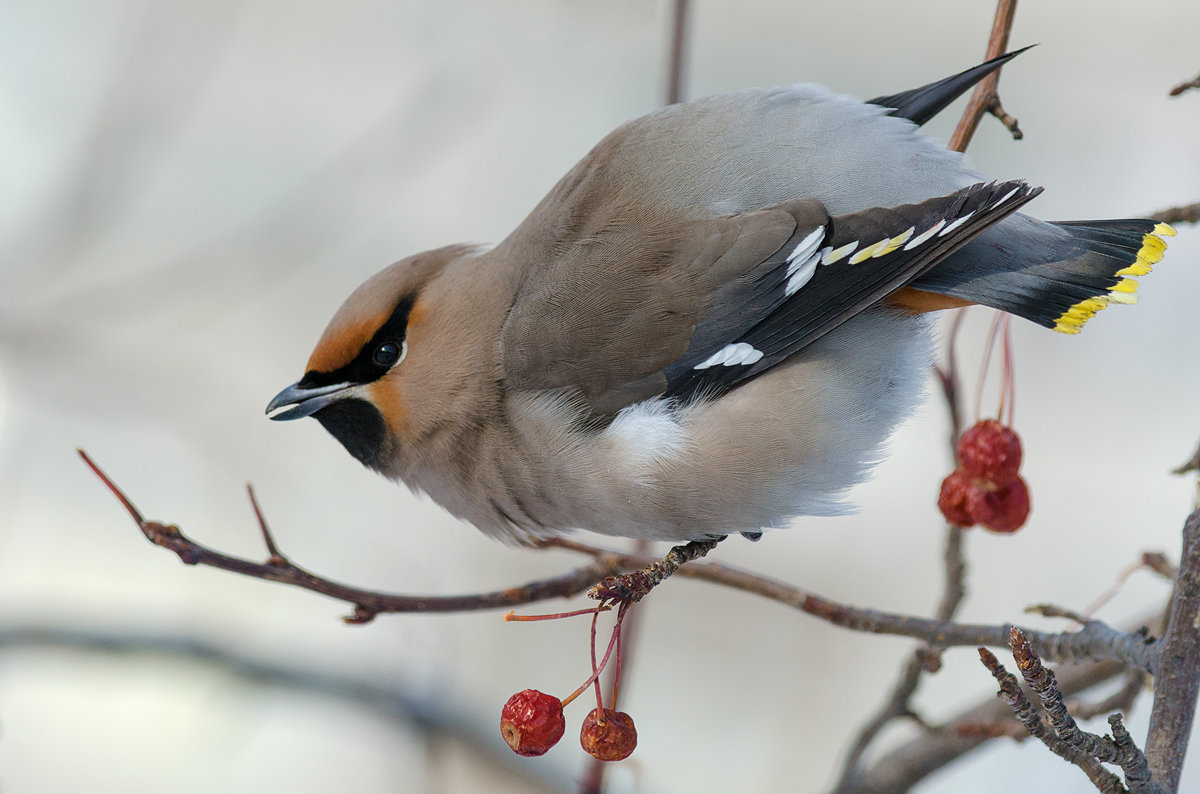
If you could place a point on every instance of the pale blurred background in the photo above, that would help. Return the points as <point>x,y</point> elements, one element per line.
<point>188,191</point>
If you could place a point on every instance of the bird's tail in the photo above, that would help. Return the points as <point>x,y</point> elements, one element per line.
<point>1058,275</point>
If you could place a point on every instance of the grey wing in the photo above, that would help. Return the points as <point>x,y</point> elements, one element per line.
<point>604,312</point>
<point>833,273</point>
<point>667,307</point>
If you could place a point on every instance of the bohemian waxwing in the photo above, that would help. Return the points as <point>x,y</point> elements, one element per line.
<point>710,325</point>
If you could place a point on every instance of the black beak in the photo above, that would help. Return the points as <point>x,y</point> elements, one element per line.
<point>301,401</point>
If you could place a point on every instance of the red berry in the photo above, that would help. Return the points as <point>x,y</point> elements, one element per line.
<point>952,501</point>
<point>608,735</point>
<point>1002,510</point>
<point>991,452</point>
<point>532,722</point>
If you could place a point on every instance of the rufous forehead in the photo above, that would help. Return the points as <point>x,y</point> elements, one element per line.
<point>341,342</point>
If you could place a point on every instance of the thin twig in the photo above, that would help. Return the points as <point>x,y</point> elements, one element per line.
<point>1188,213</point>
<point>1177,683</point>
<point>1120,750</point>
<point>1183,87</point>
<point>1154,561</point>
<point>676,57</point>
<point>1025,712</point>
<point>632,587</point>
<point>367,603</point>
<point>985,98</point>
<point>276,557</point>
<point>903,767</point>
<point>923,659</point>
<point>1193,463</point>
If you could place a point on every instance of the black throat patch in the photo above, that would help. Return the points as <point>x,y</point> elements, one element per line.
<point>360,428</point>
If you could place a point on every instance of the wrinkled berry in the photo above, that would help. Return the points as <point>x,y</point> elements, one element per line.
<point>991,452</point>
<point>952,501</point>
<point>532,722</point>
<point>1002,510</point>
<point>608,735</point>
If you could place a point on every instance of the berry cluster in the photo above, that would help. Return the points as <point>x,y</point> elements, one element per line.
<point>986,489</point>
<point>532,722</point>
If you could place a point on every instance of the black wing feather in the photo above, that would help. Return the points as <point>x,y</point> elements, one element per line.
<point>919,105</point>
<point>782,322</point>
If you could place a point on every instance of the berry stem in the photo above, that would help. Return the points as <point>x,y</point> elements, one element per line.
<point>595,674</point>
<point>511,616</point>
<point>612,699</point>
<point>595,670</point>
<point>993,332</point>
<point>1010,381</point>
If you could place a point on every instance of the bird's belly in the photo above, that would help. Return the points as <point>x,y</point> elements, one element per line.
<point>790,442</point>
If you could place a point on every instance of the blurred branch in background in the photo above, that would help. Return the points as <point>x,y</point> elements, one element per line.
<point>1188,213</point>
<point>1187,86</point>
<point>404,707</point>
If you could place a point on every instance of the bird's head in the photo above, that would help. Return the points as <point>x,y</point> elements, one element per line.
<point>359,381</point>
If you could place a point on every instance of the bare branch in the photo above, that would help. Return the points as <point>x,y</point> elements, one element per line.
<point>1095,640</point>
<point>633,587</point>
<point>985,98</point>
<point>367,603</point>
<point>1178,680</point>
<point>1012,694</point>
<point>1120,749</point>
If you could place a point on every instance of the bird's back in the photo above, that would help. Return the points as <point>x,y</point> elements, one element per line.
<point>756,148</point>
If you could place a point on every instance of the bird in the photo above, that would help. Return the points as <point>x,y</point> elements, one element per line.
<point>710,325</point>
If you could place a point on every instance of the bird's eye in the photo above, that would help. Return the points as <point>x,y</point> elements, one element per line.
<point>386,355</point>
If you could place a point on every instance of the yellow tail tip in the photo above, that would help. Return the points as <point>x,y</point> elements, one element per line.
<point>1125,290</point>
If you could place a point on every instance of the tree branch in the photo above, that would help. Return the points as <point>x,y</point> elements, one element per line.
<point>1095,640</point>
<point>1087,747</point>
<point>367,603</point>
<point>1177,682</point>
<point>1025,712</point>
<point>986,98</point>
